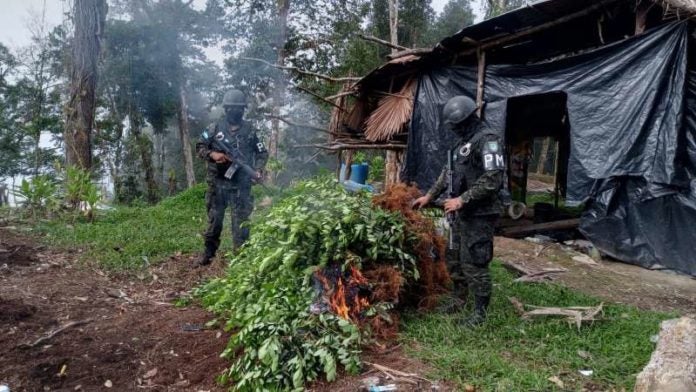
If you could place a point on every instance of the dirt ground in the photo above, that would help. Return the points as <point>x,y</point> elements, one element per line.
<point>611,280</point>
<point>129,336</point>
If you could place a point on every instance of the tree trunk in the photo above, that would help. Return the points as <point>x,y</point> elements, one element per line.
<point>89,19</point>
<point>162,156</point>
<point>279,98</point>
<point>145,150</point>
<point>394,23</point>
<point>543,155</point>
<point>392,161</point>
<point>186,139</point>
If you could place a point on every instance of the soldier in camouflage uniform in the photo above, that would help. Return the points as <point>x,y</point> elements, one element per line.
<point>236,191</point>
<point>478,166</point>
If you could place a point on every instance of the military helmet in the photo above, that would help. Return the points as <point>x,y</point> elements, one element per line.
<point>458,109</point>
<point>234,98</point>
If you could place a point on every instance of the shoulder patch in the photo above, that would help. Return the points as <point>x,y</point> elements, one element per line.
<point>492,155</point>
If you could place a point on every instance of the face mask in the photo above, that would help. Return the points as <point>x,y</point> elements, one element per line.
<point>464,128</point>
<point>234,114</point>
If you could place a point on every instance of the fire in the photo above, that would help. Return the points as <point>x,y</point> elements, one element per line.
<point>346,294</point>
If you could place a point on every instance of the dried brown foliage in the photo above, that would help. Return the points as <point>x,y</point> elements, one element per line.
<point>393,111</point>
<point>429,248</point>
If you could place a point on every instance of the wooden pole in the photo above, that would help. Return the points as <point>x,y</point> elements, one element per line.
<point>481,81</point>
<point>522,231</point>
<point>555,174</point>
<point>392,164</point>
<point>543,156</point>
<point>642,10</point>
<point>508,38</point>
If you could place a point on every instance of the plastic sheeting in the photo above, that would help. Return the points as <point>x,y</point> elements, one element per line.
<point>632,112</point>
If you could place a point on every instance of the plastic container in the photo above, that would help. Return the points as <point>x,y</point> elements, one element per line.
<point>353,186</point>
<point>359,172</point>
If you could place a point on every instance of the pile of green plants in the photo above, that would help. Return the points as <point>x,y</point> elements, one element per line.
<point>266,294</point>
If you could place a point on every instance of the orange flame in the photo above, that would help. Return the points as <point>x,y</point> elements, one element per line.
<point>343,297</point>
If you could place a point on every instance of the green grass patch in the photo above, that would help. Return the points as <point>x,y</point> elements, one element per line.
<point>510,354</point>
<point>134,237</point>
<point>546,197</point>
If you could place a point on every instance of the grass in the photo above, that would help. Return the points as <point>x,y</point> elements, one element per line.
<point>509,354</point>
<point>128,238</point>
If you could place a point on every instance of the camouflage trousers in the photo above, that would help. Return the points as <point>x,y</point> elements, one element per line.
<point>473,251</point>
<point>220,195</point>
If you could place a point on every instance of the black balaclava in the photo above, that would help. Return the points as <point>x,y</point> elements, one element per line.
<point>234,114</point>
<point>466,128</point>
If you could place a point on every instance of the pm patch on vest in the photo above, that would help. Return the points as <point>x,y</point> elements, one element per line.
<point>492,156</point>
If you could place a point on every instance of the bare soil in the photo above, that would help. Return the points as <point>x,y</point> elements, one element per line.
<point>133,337</point>
<point>611,280</point>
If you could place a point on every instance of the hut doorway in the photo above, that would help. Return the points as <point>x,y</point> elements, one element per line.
<point>537,137</point>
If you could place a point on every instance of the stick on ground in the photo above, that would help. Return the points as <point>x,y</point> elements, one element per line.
<point>55,332</point>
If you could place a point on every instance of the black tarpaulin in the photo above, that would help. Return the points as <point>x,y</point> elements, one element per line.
<point>632,132</point>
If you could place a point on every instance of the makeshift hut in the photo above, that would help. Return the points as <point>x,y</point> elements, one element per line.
<point>611,83</point>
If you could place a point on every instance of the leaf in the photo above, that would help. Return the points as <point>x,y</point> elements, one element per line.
<point>330,367</point>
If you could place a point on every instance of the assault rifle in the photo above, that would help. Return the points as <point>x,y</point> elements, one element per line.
<point>452,216</point>
<point>236,158</point>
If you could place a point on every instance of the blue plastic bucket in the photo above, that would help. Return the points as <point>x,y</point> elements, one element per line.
<point>359,172</point>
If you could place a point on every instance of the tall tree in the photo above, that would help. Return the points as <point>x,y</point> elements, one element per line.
<point>455,15</point>
<point>37,90</point>
<point>89,19</point>
<point>154,68</point>
<point>497,7</point>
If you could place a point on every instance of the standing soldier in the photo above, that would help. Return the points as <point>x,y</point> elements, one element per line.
<point>238,135</point>
<point>476,178</point>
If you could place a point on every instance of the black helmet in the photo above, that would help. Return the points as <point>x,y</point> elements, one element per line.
<point>458,109</point>
<point>234,98</point>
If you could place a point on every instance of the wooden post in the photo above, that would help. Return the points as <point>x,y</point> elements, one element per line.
<point>642,9</point>
<point>392,164</point>
<point>556,162</point>
<point>481,54</point>
<point>543,156</point>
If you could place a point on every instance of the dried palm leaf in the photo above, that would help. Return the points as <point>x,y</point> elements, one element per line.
<point>393,111</point>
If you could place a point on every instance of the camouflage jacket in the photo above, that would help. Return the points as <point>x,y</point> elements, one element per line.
<point>479,165</point>
<point>245,139</point>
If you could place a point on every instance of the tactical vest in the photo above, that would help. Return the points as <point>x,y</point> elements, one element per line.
<point>468,168</point>
<point>244,139</point>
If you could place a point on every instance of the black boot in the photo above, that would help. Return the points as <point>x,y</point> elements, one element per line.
<point>478,316</point>
<point>455,301</point>
<point>206,258</point>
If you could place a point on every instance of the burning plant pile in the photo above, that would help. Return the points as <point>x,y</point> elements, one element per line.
<point>322,274</point>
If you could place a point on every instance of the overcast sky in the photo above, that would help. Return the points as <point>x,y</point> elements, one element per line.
<point>15,16</point>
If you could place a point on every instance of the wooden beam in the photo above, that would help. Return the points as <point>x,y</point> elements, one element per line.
<point>642,10</point>
<point>481,81</point>
<point>341,146</point>
<point>404,53</point>
<point>302,71</point>
<point>312,93</point>
<point>521,231</point>
<point>382,42</point>
<point>491,43</point>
